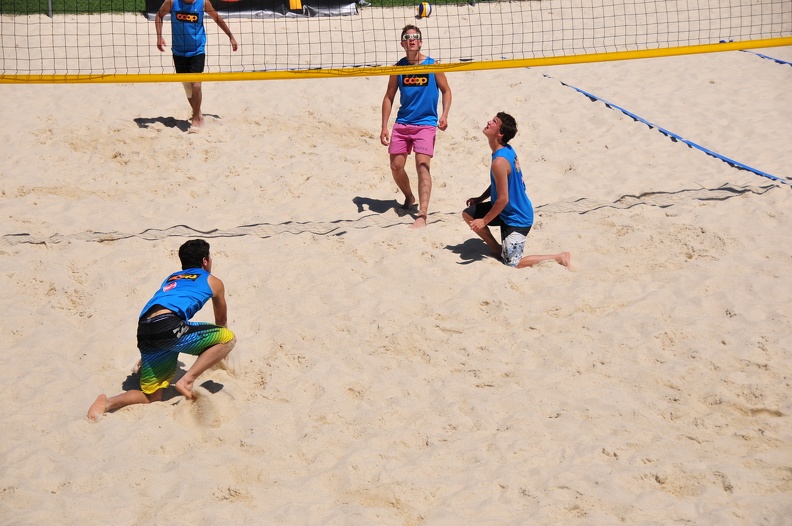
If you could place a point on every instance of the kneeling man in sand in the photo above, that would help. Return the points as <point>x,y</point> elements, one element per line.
<point>164,331</point>
<point>509,206</point>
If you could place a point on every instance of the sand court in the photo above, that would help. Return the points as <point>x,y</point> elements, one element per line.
<point>389,376</point>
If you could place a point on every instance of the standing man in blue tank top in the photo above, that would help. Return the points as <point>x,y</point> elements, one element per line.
<point>416,121</point>
<point>509,206</point>
<point>164,331</point>
<point>189,44</point>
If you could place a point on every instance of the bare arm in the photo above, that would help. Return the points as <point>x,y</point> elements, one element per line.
<point>218,301</point>
<point>210,10</point>
<point>387,106</point>
<point>164,9</point>
<point>445,91</point>
<point>500,171</point>
<point>476,200</point>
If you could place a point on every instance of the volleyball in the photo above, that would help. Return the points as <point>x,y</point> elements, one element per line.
<point>424,9</point>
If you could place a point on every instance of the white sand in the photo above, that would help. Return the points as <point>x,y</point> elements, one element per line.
<point>395,377</point>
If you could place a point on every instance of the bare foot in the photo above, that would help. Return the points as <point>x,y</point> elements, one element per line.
<point>565,258</point>
<point>98,408</point>
<point>185,388</point>
<point>196,124</point>
<point>408,202</point>
<point>419,223</point>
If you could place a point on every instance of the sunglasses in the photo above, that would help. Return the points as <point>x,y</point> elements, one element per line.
<point>411,36</point>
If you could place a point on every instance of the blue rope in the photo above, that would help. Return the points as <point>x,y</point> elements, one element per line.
<point>776,60</point>
<point>673,136</point>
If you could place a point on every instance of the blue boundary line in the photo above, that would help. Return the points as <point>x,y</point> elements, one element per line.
<point>776,60</point>
<point>673,136</point>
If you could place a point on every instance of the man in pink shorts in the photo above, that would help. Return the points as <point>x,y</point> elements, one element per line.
<point>416,121</point>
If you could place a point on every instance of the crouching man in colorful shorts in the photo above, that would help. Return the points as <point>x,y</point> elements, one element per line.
<point>164,331</point>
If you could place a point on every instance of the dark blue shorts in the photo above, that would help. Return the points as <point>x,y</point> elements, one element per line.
<point>482,209</point>
<point>189,64</point>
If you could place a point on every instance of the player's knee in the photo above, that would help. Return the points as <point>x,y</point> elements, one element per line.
<point>226,337</point>
<point>156,396</point>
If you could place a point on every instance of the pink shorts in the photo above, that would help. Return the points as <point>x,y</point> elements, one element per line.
<point>405,138</point>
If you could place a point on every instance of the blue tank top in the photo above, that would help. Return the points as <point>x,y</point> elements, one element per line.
<point>519,210</point>
<point>187,28</point>
<point>184,292</point>
<point>418,97</point>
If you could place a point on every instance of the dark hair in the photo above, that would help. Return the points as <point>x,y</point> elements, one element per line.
<point>193,252</point>
<point>409,27</point>
<point>508,126</point>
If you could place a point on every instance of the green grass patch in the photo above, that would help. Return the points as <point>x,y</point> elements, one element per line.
<point>70,7</point>
<point>402,3</point>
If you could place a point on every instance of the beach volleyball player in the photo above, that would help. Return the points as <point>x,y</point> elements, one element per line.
<point>416,121</point>
<point>164,331</point>
<point>505,202</point>
<point>189,44</point>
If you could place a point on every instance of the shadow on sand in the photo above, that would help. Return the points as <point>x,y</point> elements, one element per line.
<point>470,251</point>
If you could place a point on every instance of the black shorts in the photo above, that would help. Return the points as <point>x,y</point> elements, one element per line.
<point>480,210</point>
<point>189,64</point>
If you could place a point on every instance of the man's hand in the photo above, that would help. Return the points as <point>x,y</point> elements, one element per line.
<point>478,225</point>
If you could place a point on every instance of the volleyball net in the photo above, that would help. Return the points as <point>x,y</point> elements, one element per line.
<point>115,40</point>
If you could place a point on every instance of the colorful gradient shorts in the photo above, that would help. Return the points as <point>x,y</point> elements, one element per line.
<point>162,338</point>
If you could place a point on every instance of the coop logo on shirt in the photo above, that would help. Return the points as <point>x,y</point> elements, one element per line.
<point>416,80</point>
<point>187,17</point>
<point>177,277</point>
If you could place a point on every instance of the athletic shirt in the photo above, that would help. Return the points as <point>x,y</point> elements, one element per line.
<point>187,28</point>
<point>183,292</point>
<point>519,210</point>
<point>418,97</point>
